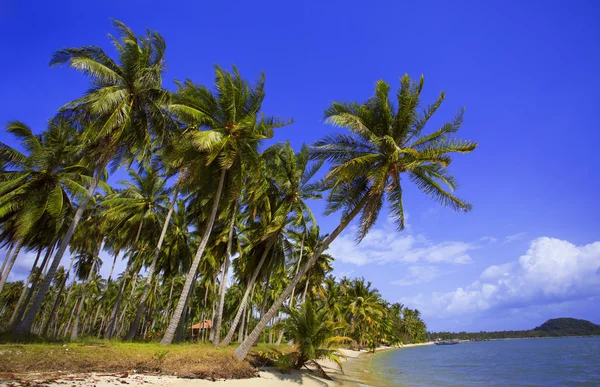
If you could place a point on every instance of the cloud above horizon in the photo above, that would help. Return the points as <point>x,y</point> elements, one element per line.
<point>552,271</point>
<point>384,244</point>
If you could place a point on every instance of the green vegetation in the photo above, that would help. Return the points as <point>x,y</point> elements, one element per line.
<point>558,327</point>
<point>206,198</point>
<point>198,360</point>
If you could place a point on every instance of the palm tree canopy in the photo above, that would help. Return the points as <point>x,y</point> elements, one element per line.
<point>36,186</point>
<point>125,103</point>
<point>386,140</point>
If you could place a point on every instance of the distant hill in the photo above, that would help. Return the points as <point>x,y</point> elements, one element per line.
<point>556,327</point>
<point>568,327</point>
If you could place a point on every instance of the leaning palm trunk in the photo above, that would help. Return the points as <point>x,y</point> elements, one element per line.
<point>240,310</point>
<point>174,323</point>
<point>138,316</point>
<point>217,337</point>
<point>24,291</point>
<point>11,263</point>
<point>291,302</point>
<point>242,351</point>
<point>25,326</point>
<point>6,259</point>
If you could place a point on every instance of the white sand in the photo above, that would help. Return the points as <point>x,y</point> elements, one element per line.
<point>268,377</point>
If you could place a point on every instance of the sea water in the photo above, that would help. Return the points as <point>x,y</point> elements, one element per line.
<point>523,362</point>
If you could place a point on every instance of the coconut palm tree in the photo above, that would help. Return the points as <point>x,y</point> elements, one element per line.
<point>314,336</point>
<point>385,141</point>
<point>288,176</point>
<point>234,129</point>
<point>120,112</point>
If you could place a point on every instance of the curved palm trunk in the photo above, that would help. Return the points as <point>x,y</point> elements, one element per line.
<point>25,326</point>
<point>291,303</point>
<point>26,287</point>
<point>240,310</point>
<point>174,323</point>
<point>217,337</point>
<point>242,351</point>
<point>138,316</point>
<point>11,263</point>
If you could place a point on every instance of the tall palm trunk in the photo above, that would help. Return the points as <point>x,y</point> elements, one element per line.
<point>57,300</point>
<point>174,323</point>
<point>6,258</point>
<point>25,326</point>
<point>11,263</point>
<point>75,331</point>
<point>291,302</point>
<point>238,315</point>
<point>112,268</point>
<point>138,316</point>
<point>242,351</point>
<point>112,321</point>
<point>217,337</point>
<point>25,288</point>
<point>35,280</point>
<point>306,287</point>
<point>112,325</point>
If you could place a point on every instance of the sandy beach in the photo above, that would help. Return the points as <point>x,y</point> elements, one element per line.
<point>267,377</point>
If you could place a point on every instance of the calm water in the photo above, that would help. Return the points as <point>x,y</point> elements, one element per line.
<point>534,362</point>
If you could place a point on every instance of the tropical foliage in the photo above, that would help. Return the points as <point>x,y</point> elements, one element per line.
<point>207,196</point>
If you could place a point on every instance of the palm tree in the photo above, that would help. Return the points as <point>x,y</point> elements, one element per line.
<point>120,112</point>
<point>385,141</point>
<point>314,336</point>
<point>288,175</point>
<point>235,128</point>
<point>137,208</point>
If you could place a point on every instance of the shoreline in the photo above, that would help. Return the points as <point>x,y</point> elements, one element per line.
<point>354,372</point>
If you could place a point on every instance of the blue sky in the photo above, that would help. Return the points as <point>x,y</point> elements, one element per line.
<point>526,71</point>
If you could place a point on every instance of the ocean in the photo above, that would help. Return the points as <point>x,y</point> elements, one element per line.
<point>522,362</point>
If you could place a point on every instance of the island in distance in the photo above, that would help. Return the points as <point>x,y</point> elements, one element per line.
<point>556,327</point>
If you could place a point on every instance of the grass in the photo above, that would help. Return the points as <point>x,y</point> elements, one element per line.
<point>184,360</point>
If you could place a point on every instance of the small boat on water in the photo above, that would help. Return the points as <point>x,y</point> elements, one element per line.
<point>447,342</point>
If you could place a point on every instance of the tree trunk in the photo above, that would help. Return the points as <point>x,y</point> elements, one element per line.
<point>24,327</point>
<point>24,291</point>
<point>11,263</point>
<point>241,329</point>
<point>142,307</point>
<point>203,315</point>
<point>6,258</point>
<point>238,315</point>
<point>112,268</point>
<point>306,287</point>
<point>223,286</point>
<point>242,351</point>
<point>174,323</point>
<point>34,282</point>
<point>291,303</point>
<point>75,331</point>
<point>113,319</point>
<point>56,302</point>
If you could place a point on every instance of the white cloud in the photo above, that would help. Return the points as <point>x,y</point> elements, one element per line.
<point>385,244</point>
<point>418,274</point>
<point>552,271</point>
<point>514,237</point>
